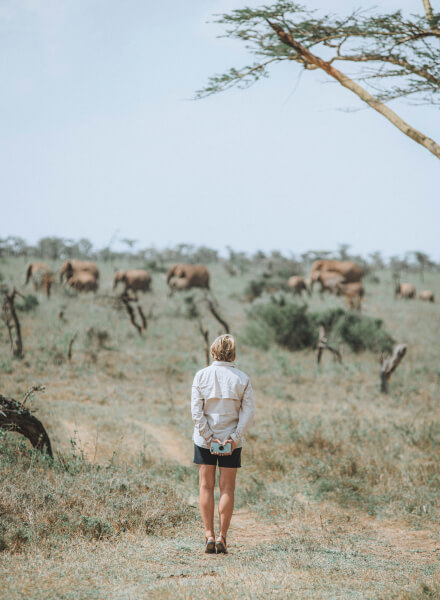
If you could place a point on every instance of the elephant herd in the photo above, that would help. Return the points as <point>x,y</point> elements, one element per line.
<point>342,278</point>
<point>345,278</point>
<point>334,276</point>
<point>83,276</point>
<point>408,291</point>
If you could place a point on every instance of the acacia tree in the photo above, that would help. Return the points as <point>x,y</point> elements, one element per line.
<point>394,56</point>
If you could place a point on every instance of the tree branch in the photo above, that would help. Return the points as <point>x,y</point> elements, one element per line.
<point>394,60</point>
<point>387,367</point>
<point>428,12</point>
<point>362,93</point>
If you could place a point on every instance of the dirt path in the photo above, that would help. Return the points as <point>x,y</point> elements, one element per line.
<point>382,538</point>
<point>97,448</point>
<point>321,521</point>
<point>172,444</point>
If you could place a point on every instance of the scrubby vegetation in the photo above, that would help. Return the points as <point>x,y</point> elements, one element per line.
<point>293,326</point>
<point>29,302</point>
<point>338,494</point>
<point>255,288</point>
<point>45,502</point>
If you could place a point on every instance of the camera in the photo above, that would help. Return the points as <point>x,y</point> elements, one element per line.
<point>220,448</point>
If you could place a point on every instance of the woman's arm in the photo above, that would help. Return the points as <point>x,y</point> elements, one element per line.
<point>198,415</point>
<point>246,416</point>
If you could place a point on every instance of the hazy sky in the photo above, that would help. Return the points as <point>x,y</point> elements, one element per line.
<point>99,133</point>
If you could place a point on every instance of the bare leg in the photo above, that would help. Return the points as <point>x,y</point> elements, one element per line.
<point>226,504</point>
<point>206,488</point>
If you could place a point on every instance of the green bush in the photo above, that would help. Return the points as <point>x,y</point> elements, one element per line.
<point>29,303</point>
<point>291,325</point>
<point>255,287</point>
<point>362,333</point>
<point>288,322</point>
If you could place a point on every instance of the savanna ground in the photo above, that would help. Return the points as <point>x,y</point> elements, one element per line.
<point>338,496</point>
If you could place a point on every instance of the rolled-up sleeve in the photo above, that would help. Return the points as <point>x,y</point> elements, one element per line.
<point>246,416</point>
<point>198,415</point>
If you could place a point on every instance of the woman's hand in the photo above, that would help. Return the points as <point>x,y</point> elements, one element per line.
<point>218,442</point>
<point>233,446</point>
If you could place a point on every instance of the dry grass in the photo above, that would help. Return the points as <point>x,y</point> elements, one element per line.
<point>338,497</point>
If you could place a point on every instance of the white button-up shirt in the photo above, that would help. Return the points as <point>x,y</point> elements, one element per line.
<point>222,404</point>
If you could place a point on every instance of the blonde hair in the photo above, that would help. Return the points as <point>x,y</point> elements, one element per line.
<point>223,348</point>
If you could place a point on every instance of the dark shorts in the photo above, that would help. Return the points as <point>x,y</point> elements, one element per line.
<point>202,456</point>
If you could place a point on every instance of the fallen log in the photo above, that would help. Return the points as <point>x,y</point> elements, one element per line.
<point>14,416</point>
<point>388,366</point>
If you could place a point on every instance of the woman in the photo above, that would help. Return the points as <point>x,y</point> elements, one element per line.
<point>222,407</point>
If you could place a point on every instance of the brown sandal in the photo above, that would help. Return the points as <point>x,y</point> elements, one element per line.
<point>210,545</point>
<point>220,545</point>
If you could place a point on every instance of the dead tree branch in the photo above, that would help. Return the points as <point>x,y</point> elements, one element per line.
<point>16,417</point>
<point>428,12</point>
<point>216,315</point>
<point>31,390</point>
<point>69,348</point>
<point>193,312</point>
<point>126,300</point>
<point>143,318</point>
<point>323,345</point>
<point>315,61</point>
<point>388,366</point>
<point>205,334</point>
<point>12,322</point>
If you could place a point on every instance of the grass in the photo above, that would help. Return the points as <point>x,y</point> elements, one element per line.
<point>338,497</point>
<point>49,503</point>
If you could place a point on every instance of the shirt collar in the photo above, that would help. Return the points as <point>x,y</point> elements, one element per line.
<point>223,363</point>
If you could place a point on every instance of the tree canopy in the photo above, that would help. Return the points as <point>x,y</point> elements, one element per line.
<point>394,56</point>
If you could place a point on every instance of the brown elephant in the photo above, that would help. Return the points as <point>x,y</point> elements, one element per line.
<point>72,267</point>
<point>329,280</point>
<point>427,296</point>
<point>83,281</point>
<point>134,280</point>
<point>353,292</point>
<point>405,290</point>
<point>41,275</point>
<point>298,284</point>
<point>183,277</point>
<point>349,270</point>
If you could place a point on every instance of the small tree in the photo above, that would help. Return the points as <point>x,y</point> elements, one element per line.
<point>423,261</point>
<point>376,260</point>
<point>343,251</point>
<point>396,56</point>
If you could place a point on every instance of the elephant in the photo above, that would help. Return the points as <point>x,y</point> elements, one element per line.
<point>41,276</point>
<point>353,292</point>
<point>134,280</point>
<point>298,285</point>
<point>348,270</point>
<point>330,280</point>
<point>427,296</point>
<point>183,277</point>
<point>72,267</point>
<point>405,290</point>
<point>83,281</point>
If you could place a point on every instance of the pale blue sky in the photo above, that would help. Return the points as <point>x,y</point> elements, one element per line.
<point>99,134</point>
